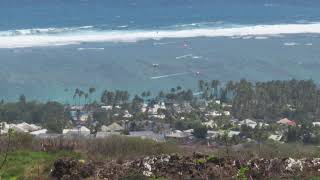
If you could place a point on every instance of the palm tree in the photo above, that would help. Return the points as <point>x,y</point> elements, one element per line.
<point>86,95</point>
<point>214,85</point>
<point>201,85</point>
<point>76,93</point>
<point>91,91</point>
<point>81,93</point>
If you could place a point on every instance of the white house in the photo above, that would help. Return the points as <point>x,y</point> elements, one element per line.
<point>275,137</point>
<point>82,131</point>
<point>106,108</point>
<point>114,127</point>
<point>188,132</point>
<point>177,135</point>
<point>156,107</point>
<point>38,132</point>
<point>248,122</point>
<point>316,124</point>
<point>226,113</point>
<point>127,114</point>
<point>210,124</point>
<point>214,113</point>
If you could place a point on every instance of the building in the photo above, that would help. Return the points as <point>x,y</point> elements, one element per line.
<point>287,122</point>
<point>147,135</point>
<point>248,122</point>
<point>177,135</point>
<point>210,124</point>
<point>38,132</point>
<point>80,131</point>
<point>316,124</point>
<point>114,127</point>
<point>21,128</point>
<point>275,137</point>
<point>106,107</point>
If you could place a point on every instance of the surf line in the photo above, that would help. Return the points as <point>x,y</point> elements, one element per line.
<point>169,75</point>
<point>184,56</point>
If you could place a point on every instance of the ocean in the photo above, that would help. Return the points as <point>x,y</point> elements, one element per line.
<point>50,47</point>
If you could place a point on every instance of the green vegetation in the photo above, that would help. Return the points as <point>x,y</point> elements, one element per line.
<point>23,165</point>
<point>28,159</point>
<point>242,173</point>
<point>200,131</point>
<point>51,115</point>
<point>128,147</point>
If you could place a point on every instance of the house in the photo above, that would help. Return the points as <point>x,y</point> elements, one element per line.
<point>316,124</point>
<point>107,108</point>
<point>287,122</point>
<point>103,134</point>
<point>226,113</point>
<point>80,131</point>
<point>25,127</point>
<point>22,127</point>
<point>213,113</point>
<point>79,116</point>
<point>233,133</point>
<point>144,107</point>
<point>75,108</point>
<point>154,110</point>
<point>224,105</point>
<point>114,127</point>
<point>261,124</point>
<point>210,124</point>
<point>127,114</point>
<point>177,135</point>
<point>4,128</point>
<point>158,116</point>
<point>38,132</point>
<point>147,135</point>
<point>248,122</point>
<point>84,117</point>
<point>275,137</point>
<point>215,134</point>
<point>188,132</point>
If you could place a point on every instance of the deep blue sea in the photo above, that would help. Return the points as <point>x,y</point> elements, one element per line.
<point>47,46</point>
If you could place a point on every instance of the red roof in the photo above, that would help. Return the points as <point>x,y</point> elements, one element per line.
<point>292,123</point>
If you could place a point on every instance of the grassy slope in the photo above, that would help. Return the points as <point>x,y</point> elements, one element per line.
<point>30,164</point>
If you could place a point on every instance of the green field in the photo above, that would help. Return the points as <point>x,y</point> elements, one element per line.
<point>30,164</point>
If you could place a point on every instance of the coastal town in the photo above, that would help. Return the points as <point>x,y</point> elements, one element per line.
<point>218,130</point>
<point>162,119</point>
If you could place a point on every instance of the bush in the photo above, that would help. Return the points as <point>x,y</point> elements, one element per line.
<point>128,147</point>
<point>200,131</point>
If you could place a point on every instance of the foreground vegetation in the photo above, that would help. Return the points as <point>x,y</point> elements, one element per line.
<point>26,164</point>
<point>32,158</point>
<point>27,159</point>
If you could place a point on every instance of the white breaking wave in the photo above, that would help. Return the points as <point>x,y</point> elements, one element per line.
<point>90,35</point>
<point>169,75</point>
<point>82,49</point>
<point>291,44</point>
<point>261,37</point>
<point>189,56</point>
<point>184,56</point>
<point>163,43</point>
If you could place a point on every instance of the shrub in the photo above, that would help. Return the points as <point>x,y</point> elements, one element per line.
<point>128,147</point>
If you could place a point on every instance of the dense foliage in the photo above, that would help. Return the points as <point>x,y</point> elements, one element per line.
<point>51,115</point>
